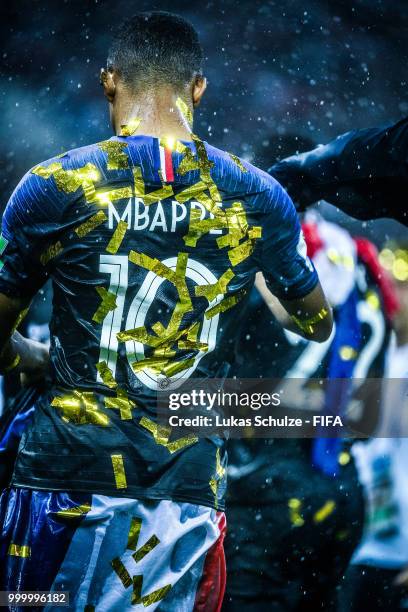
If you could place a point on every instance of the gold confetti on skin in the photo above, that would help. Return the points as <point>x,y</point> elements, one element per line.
<point>151,598</point>
<point>91,224</point>
<point>107,304</point>
<point>308,325</point>
<point>122,403</point>
<point>220,287</point>
<point>73,513</point>
<point>185,111</point>
<point>117,158</point>
<point>129,128</point>
<point>106,374</point>
<point>238,162</point>
<point>226,304</point>
<point>80,408</point>
<point>348,353</point>
<point>107,196</point>
<point>295,516</point>
<point>53,251</point>
<point>324,512</point>
<point>117,238</point>
<point>119,471</point>
<point>121,572</point>
<point>17,550</point>
<point>70,181</point>
<point>161,435</point>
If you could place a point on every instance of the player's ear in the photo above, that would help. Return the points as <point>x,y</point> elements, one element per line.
<point>199,87</point>
<point>108,84</point>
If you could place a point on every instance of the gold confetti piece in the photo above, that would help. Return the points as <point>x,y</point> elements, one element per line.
<point>198,227</point>
<point>17,550</point>
<point>121,572</point>
<point>53,251</point>
<point>146,548</point>
<point>107,304</point>
<point>106,374</point>
<point>189,161</point>
<point>307,325</point>
<point>119,471</point>
<point>129,128</point>
<point>166,191</point>
<point>338,259</point>
<point>70,181</point>
<point>80,408</point>
<point>192,192</point>
<point>19,319</point>
<point>344,458</point>
<point>295,517</point>
<point>237,226</point>
<point>134,532</point>
<point>324,512</point>
<point>348,353</point>
<point>89,608</point>
<point>171,368</point>
<point>241,252</point>
<point>220,287</point>
<point>107,196</point>
<point>238,162</point>
<point>373,300</point>
<point>91,224</point>
<point>185,111</point>
<point>75,512</point>
<point>225,304</point>
<point>161,435</point>
<point>117,238</point>
<point>218,477</point>
<point>151,598</point>
<point>122,403</point>
<point>117,158</point>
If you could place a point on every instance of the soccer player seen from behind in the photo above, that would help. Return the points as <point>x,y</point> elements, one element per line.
<point>152,240</point>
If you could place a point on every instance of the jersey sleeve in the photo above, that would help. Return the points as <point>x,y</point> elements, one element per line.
<point>282,257</point>
<point>28,224</point>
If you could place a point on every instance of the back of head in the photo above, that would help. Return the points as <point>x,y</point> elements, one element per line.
<point>154,49</point>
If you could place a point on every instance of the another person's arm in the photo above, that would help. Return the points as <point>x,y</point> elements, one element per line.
<point>289,281</point>
<point>19,354</point>
<point>310,316</point>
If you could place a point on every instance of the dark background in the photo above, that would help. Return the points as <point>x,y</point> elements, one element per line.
<point>282,75</point>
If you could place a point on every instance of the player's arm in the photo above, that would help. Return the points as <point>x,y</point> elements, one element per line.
<point>310,316</point>
<point>24,234</point>
<point>290,284</point>
<point>17,353</point>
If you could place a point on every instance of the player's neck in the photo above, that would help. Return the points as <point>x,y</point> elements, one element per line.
<point>159,115</point>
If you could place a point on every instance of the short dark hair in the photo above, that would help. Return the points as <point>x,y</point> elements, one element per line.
<point>156,47</point>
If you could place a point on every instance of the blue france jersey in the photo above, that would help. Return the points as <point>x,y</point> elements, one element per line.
<point>152,247</point>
